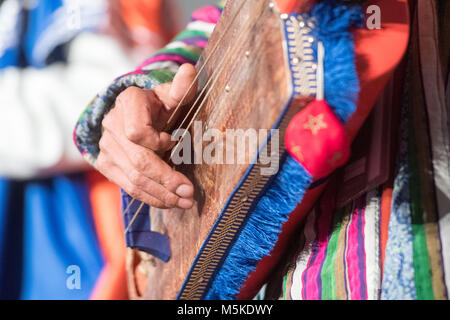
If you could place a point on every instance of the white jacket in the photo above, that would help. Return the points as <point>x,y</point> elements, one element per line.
<point>39,107</point>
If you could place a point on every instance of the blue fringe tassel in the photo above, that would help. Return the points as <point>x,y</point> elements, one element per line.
<point>341,78</point>
<point>260,234</point>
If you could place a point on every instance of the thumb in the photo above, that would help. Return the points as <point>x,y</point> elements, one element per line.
<point>171,94</point>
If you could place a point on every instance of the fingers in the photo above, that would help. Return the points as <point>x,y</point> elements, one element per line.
<point>145,112</point>
<point>117,176</point>
<point>172,93</point>
<point>150,165</point>
<point>140,112</point>
<point>144,177</point>
<point>182,82</point>
<point>133,137</point>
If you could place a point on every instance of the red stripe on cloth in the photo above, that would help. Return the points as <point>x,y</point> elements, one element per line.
<point>312,281</point>
<point>386,199</point>
<point>164,58</point>
<point>356,254</point>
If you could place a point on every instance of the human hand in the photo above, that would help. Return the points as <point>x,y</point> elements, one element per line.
<point>133,139</point>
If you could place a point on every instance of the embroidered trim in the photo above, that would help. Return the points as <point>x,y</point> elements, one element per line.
<point>301,53</point>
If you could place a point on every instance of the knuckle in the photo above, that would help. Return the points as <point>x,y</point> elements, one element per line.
<point>125,94</point>
<point>103,144</point>
<point>170,179</point>
<point>125,98</point>
<point>133,133</point>
<point>106,122</point>
<point>156,144</point>
<point>134,192</point>
<point>157,204</point>
<point>135,178</point>
<point>100,162</point>
<point>155,173</point>
<point>132,90</point>
<point>170,199</point>
<point>139,161</point>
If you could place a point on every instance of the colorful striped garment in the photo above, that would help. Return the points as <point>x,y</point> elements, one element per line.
<point>340,255</point>
<point>347,256</point>
<point>391,243</point>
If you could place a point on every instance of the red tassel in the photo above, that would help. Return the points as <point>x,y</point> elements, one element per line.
<point>316,138</point>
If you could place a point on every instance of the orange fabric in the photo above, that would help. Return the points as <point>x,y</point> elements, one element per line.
<point>106,209</point>
<point>378,52</point>
<point>289,6</point>
<point>143,13</point>
<point>149,15</point>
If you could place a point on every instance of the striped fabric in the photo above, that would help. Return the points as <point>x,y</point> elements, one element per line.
<point>391,243</point>
<point>341,253</point>
<point>341,256</point>
<point>348,254</point>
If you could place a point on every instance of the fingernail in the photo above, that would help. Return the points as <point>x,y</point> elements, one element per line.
<point>185,203</point>
<point>185,191</point>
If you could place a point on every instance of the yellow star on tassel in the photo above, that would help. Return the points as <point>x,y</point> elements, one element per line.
<point>315,124</point>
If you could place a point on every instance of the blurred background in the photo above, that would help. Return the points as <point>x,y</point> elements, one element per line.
<point>61,232</point>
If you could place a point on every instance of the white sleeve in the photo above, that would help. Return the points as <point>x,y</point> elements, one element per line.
<point>39,107</point>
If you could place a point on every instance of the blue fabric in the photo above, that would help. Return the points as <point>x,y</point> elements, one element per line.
<point>52,24</point>
<point>44,31</point>
<point>398,276</point>
<point>341,82</point>
<point>39,20</point>
<point>11,57</point>
<point>29,26</point>
<point>48,228</point>
<point>11,238</point>
<point>139,236</point>
<point>10,39</point>
<point>46,224</point>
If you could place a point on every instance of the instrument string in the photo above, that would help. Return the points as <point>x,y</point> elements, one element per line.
<point>204,64</point>
<point>134,217</point>
<point>200,102</point>
<point>128,206</point>
<point>200,97</point>
<point>202,68</point>
<point>174,149</point>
